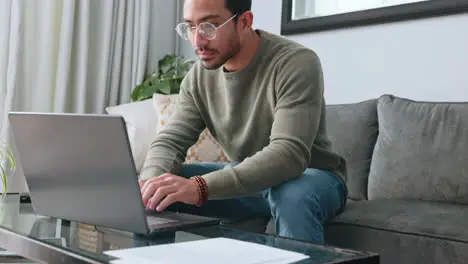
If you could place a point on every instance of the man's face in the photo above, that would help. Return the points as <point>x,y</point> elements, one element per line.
<point>213,53</point>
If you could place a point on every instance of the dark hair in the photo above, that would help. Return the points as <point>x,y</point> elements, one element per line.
<point>238,6</point>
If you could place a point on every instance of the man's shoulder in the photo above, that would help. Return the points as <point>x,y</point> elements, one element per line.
<point>286,52</point>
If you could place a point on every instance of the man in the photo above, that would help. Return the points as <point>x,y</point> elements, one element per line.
<point>261,96</point>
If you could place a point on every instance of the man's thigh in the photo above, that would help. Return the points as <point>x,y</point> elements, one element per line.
<point>230,209</point>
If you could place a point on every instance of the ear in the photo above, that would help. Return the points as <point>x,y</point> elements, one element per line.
<point>245,21</point>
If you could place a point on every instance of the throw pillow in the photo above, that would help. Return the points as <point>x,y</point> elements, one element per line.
<point>421,151</point>
<point>356,142</point>
<point>206,149</point>
<point>141,120</point>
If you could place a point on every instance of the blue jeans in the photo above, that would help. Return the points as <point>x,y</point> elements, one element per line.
<point>299,207</point>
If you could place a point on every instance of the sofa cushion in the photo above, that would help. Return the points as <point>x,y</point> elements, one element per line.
<point>421,152</point>
<point>140,120</point>
<point>403,231</point>
<point>422,218</point>
<point>353,129</point>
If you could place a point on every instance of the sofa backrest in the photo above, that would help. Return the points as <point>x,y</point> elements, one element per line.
<point>353,130</point>
<point>396,148</point>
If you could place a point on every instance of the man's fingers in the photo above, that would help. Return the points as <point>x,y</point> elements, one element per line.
<point>148,192</point>
<point>147,183</point>
<point>170,199</point>
<point>155,189</point>
<point>163,178</point>
<point>160,194</point>
<point>141,183</point>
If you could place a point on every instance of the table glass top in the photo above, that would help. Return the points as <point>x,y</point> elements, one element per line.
<point>20,225</point>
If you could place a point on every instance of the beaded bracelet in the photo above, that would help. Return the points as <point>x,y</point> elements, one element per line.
<point>202,190</point>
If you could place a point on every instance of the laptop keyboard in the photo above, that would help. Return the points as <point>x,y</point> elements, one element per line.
<point>154,220</point>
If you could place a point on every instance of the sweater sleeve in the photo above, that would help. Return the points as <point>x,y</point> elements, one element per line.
<point>299,99</point>
<point>168,151</point>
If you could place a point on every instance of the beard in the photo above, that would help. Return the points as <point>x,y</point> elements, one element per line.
<point>220,59</point>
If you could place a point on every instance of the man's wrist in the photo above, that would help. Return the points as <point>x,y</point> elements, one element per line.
<point>202,189</point>
<point>148,173</point>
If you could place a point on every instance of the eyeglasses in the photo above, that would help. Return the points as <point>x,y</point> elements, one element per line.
<point>205,29</point>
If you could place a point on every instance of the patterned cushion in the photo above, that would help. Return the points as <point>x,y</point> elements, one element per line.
<point>206,149</point>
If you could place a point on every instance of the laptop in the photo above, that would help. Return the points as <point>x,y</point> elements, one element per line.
<point>80,167</point>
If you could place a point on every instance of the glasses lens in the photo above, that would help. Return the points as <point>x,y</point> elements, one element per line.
<point>184,31</point>
<point>207,30</point>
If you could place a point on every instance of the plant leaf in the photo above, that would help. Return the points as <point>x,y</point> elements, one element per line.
<point>136,92</point>
<point>166,63</point>
<point>170,74</point>
<point>172,70</point>
<point>165,86</point>
<point>4,180</point>
<point>11,159</point>
<point>6,156</point>
<point>145,94</point>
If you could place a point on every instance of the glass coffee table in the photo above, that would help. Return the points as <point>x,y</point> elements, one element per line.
<point>44,239</point>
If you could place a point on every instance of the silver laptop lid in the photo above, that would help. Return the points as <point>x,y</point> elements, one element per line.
<point>80,167</point>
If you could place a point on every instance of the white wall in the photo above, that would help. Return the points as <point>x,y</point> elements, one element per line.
<point>420,59</point>
<point>162,34</point>
<point>267,15</point>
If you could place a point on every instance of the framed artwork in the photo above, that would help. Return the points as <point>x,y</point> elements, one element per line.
<point>302,16</point>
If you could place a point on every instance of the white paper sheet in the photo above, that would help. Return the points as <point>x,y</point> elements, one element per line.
<point>133,261</point>
<point>215,250</point>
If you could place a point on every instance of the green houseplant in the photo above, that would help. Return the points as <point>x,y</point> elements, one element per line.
<point>171,71</point>
<point>9,202</point>
<point>7,166</point>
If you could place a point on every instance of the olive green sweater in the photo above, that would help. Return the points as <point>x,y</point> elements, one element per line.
<point>269,117</point>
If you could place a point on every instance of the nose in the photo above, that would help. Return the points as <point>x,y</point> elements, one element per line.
<point>198,41</point>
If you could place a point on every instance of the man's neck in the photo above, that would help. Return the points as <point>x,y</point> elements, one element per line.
<point>245,55</point>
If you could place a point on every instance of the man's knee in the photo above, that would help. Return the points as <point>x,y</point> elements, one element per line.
<point>290,192</point>
<point>293,196</point>
<point>316,191</point>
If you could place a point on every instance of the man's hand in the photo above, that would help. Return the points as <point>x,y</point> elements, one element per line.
<point>160,192</point>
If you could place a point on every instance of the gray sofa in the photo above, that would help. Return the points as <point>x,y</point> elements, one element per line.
<point>408,179</point>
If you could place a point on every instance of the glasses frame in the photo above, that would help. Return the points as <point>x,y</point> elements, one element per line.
<point>180,33</point>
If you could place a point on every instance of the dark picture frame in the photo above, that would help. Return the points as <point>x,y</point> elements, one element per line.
<point>388,14</point>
